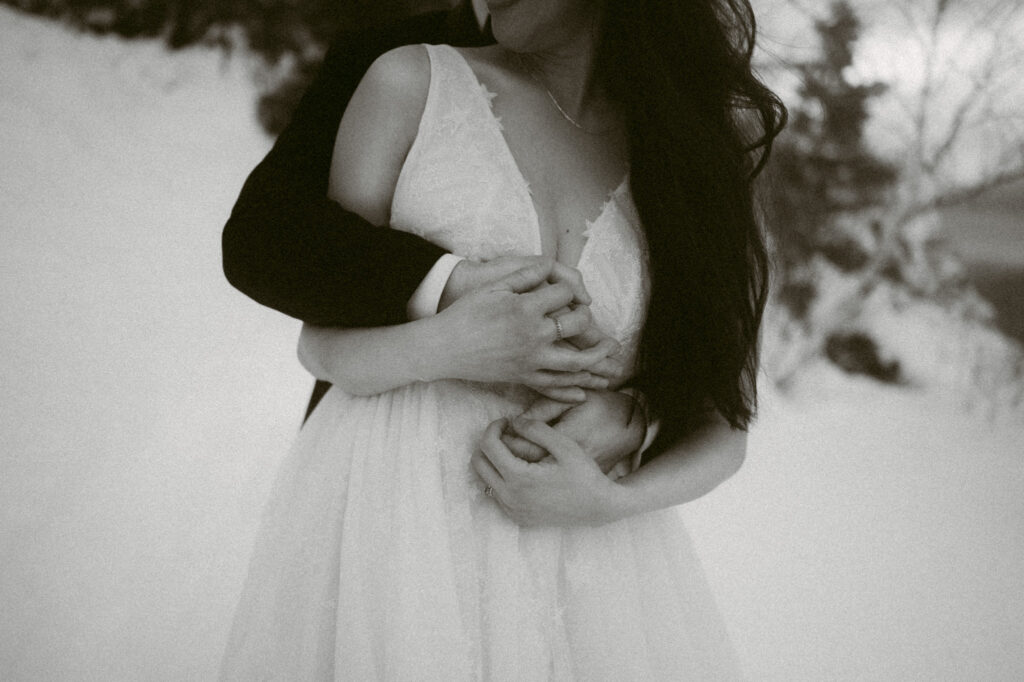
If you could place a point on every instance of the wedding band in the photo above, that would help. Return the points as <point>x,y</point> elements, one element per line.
<point>558,329</point>
<point>489,491</point>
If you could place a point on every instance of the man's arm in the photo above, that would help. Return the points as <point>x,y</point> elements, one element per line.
<point>288,246</point>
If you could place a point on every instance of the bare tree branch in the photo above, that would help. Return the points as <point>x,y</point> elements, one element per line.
<point>974,99</point>
<point>954,196</point>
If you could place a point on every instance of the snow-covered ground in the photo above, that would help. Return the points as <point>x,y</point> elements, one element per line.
<point>873,534</point>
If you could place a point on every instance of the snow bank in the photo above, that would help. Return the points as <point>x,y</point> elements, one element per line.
<point>143,400</point>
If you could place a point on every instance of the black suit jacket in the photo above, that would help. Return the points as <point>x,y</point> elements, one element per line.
<point>287,245</point>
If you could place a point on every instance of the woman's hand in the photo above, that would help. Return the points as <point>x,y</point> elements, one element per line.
<point>609,427</point>
<point>506,332</point>
<point>471,276</point>
<point>565,489</point>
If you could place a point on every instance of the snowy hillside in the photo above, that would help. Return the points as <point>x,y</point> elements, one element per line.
<point>873,534</point>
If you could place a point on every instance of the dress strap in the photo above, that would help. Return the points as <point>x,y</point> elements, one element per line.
<point>446,94</point>
<point>453,74</point>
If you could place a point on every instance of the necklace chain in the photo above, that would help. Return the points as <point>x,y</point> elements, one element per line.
<point>565,114</point>
<point>551,96</point>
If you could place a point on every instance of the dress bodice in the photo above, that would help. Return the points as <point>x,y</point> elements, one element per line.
<point>460,188</point>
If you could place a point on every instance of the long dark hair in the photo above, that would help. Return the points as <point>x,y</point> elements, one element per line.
<point>700,127</point>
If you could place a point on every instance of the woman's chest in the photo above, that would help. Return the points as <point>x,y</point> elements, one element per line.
<point>473,206</point>
<point>461,187</point>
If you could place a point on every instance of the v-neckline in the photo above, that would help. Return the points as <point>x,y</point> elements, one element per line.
<point>486,96</point>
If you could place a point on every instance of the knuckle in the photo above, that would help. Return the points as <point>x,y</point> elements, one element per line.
<point>521,277</point>
<point>568,322</point>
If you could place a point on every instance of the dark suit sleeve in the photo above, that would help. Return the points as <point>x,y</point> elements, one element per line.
<point>289,247</point>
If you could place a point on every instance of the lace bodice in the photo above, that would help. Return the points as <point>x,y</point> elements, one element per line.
<point>460,188</point>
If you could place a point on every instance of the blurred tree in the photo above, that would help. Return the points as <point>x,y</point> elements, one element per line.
<point>852,227</point>
<point>827,189</point>
<point>963,118</point>
<point>823,170</point>
<point>290,35</point>
<point>955,117</point>
<point>273,27</point>
<point>294,46</point>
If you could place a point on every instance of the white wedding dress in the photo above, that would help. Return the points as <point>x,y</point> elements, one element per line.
<point>380,558</point>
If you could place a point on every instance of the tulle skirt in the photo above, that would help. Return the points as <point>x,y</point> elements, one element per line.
<point>379,558</point>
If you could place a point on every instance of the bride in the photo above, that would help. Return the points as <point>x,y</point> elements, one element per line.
<point>409,536</point>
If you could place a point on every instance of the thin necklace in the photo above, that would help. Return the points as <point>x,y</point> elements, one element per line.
<point>576,124</point>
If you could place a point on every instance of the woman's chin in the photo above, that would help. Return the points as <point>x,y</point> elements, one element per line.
<point>536,27</point>
<point>517,38</point>
<point>509,35</point>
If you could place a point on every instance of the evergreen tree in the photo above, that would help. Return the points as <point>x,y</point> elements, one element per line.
<point>822,168</point>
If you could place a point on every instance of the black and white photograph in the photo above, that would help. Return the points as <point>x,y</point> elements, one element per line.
<point>512,340</point>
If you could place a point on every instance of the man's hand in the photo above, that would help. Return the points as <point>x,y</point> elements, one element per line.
<point>505,331</point>
<point>566,489</point>
<point>608,426</point>
<point>469,276</point>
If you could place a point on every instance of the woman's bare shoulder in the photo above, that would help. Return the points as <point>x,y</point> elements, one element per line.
<point>377,130</point>
<point>402,73</point>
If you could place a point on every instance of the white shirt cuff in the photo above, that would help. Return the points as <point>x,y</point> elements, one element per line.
<point>427,296</point>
